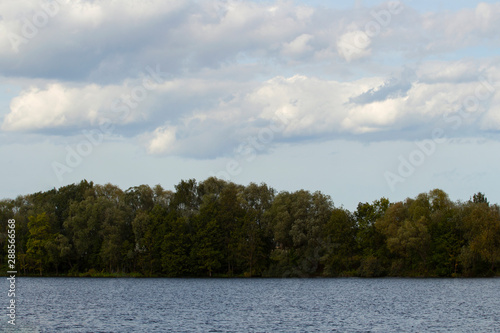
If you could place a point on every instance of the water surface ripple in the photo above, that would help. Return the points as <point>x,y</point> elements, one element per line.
<point>256,305</point>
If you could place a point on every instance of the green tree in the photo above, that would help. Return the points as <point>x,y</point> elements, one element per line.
<point>299,221</point>
<point>186,200</point>
<point>207,252</point>
<point>445,229</point>
<point>176,248</point>
<point>59,251</point>
<point>340,243</point>
<point>230,219</point>
<point>482,223</point>
<point>140,198</point>
<point>255,241</point>
<point>40,237</point>
<point>83,226</point>
<point>116,252</point>
<point>370,242</point>
<point>149,230</point>
<point>480,198</point>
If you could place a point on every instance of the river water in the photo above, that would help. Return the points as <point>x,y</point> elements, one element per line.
<point>254,305</point>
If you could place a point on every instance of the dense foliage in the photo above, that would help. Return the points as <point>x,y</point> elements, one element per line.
<point>218,228</point>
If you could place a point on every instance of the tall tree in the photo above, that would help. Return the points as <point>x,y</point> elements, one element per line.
<point>299,221</point>
<point>482,223</point>
<point>340,243</point>
<point>255,241</point>
<point>40,237</point>
<point>176,248</point>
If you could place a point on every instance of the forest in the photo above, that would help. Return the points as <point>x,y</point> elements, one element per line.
<point>215,228</point>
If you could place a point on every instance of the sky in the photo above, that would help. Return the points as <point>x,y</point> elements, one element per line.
<point>357,99</point>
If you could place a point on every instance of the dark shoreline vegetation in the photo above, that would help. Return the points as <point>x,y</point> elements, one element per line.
<point>221,229</point>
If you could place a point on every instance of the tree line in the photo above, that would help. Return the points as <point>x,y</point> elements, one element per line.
<point>219,228</point>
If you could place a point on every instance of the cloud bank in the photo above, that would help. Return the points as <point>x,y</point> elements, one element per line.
<point>196,79</point>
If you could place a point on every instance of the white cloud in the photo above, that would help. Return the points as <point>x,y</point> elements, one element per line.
<point>298,46</point>
<point>466,27</point>
<point>112,38</point>
<point>234,65</point>
<point>491,120</point>
<point>354,45</point>
<point>63,106</point>
<point>162,140</point>
<point>373,117</point>
<point>450,72</point>
<point>217,114</point>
